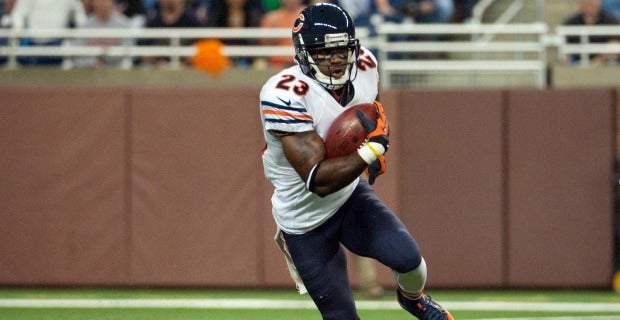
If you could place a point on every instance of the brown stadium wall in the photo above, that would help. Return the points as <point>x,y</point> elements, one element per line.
<point>164,187</point>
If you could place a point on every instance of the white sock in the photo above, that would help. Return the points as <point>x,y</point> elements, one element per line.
<point>413,281</point>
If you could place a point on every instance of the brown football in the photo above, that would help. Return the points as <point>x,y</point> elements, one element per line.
<point>346,133</point>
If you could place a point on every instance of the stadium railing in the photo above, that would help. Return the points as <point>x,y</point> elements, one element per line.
<point>474,49</point>
<point>175,50</point>
<point>469,54</point>
<point>584,48</point>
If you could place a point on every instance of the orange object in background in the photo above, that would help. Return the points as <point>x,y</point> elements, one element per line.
<point>209,57</point>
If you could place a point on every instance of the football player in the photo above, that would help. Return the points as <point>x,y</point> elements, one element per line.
<point>321,204</point>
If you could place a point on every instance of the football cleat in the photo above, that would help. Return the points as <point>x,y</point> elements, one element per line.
<point>423,308</point>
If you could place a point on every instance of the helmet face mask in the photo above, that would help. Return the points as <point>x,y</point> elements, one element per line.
<point>320,32</point>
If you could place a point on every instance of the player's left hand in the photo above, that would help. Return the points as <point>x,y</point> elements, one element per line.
<point>375,169</point>
<point>377,135</point>
<point>377,131</point>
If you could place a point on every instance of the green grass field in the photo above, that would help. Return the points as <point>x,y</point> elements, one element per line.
<point>155,304</point>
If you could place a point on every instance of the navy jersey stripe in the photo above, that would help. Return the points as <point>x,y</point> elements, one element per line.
<point>282,106</point>
<point>287,121</point>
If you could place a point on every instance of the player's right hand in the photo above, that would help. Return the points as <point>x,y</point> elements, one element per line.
<point>378,135</point>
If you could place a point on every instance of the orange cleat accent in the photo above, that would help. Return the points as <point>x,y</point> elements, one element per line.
<point>423,307</point>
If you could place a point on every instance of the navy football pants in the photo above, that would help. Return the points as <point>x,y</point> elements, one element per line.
<point>366,227</point>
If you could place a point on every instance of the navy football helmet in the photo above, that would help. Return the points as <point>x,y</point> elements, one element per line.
<point>320,28</point>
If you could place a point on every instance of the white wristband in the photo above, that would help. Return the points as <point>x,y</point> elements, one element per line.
<point>310,179</point>
<point>370,151</point>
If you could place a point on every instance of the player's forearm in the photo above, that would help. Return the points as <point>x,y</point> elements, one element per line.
<point>336,173</point>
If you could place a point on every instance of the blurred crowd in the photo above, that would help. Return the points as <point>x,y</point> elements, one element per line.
<point>246,12</point>
<point>49,14</point>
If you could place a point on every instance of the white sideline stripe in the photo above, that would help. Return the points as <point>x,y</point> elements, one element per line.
<point>300,304</point>
<point>533,306</point>
<point>561,318</point>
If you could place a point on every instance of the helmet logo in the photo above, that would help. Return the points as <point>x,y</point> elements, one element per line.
<point>299,23</point>
<point>336,39</point>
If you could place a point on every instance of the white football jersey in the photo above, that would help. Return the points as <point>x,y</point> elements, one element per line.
<point>291,101</point>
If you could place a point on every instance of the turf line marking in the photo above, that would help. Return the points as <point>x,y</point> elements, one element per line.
<point>533,306</point>
<point>300,304</point>
<point>561,318</point>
